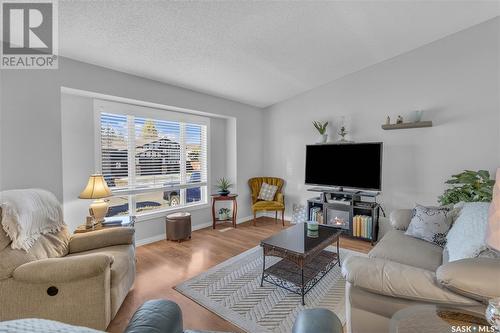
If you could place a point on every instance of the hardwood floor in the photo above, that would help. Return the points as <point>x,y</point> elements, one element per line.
<point>164,264</point>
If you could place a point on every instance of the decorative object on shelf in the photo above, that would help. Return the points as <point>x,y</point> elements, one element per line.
<point>224,214</point>
<point>223,185</point>
<point>299,214</point>
<point>342,131</point>
<point>399,120</point>
<point>97,189</point>
<point>416,116</point>
<point>321,127</point>
<point>388,120</point>
<point>468,186</point>
<point>89,222</point>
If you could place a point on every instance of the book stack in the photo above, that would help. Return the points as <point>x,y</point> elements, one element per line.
<point>362,226</point>
<point>316,214</point>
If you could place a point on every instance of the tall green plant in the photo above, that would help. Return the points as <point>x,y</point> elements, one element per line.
<point>321,127</point>
<point>468,186</point>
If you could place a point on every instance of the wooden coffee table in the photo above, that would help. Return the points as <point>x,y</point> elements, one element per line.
<point>305,261</point>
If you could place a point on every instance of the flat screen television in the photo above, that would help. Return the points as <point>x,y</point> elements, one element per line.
<point>351,165</point>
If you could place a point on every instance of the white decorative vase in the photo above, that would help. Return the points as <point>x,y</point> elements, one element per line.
<point>323,138</point>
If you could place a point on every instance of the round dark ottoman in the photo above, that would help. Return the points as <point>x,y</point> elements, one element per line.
<point>178,226</point>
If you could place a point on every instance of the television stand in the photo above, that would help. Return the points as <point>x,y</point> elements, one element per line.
<point>354,212</point>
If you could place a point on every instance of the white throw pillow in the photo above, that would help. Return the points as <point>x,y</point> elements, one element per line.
<point>466,238</point>
<point>267,192</point>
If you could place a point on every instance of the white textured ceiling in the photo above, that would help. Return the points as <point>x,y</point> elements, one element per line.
<point>255,52</point>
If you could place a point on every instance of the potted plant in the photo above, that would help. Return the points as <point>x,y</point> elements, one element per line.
<point>321,127</point>
<point>468,186</point>
<point>224,214</point>
<point>223,186</point>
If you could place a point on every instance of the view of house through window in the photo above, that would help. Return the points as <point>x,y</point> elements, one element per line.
<point>152,164</point>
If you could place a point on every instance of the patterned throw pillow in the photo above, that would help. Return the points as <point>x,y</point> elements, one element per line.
<point>267,192</point>
<point>431,224</point>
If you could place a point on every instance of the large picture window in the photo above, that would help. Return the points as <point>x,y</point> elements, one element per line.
<point>152,164</point>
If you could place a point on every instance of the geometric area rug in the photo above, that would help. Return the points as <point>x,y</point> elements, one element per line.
<point>232,290</point>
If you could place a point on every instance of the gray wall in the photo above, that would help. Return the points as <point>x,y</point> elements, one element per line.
<point>30,129</point>
<point>455,80</point>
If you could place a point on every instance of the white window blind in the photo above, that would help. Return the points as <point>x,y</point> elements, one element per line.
<point>141,154</point>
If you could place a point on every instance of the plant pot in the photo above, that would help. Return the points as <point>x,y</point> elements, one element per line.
<point>224,193</point>
<point>323,138</point>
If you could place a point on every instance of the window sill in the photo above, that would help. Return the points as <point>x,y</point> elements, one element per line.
<point>164,212</point>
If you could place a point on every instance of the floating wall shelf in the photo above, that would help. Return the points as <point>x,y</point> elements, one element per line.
<point>407,125</point>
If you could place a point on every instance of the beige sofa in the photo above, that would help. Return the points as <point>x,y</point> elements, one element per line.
<point>80,279</point>
<point>402,271</point>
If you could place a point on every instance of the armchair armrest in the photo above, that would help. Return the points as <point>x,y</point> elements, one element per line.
<point>280,197</point>
<point>64,269</point>
<point>400,219</point>
<point>477,278</point>
<point>156,316</point>
<point>101,238</point>
<point>393,279</point>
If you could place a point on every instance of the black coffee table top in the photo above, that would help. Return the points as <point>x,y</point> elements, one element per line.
<point>296,238</point>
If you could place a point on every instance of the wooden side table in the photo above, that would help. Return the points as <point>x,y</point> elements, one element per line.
<point>217,197</point>
<point>109,222</point>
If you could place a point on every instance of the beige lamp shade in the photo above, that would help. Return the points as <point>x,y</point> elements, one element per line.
<point>493,231</point>
<point>96,188</point>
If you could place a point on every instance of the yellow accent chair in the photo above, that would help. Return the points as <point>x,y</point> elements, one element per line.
<point>278,203</point>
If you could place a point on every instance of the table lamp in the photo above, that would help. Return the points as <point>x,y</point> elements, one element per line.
<point>97,189</point>
<point>493,242</point>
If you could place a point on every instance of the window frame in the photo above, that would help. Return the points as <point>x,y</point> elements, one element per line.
<point>122,108</point>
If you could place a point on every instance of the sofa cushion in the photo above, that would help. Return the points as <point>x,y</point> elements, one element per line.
<point>124,259</point>
<point>398,280</point>
<point>268,205</point>
<point>477,278</point>
<point>398,247</point>
<point>400,218</point>
<point>54,245</point>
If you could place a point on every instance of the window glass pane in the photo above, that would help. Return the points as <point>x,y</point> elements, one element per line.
<point>157,155</point>
<point>114,154</point>
<point>152,201</point>
<point>194,154</point>
<point>193,194</point>
<point>118,205</point>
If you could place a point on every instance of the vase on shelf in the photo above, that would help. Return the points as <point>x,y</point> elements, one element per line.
<point>224,193</point>
<point>323,138</point>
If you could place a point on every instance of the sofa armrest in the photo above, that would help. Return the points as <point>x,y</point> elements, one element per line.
<point>101,238</point>
<point>317,320</point>
<point>156,316</point>
<point>66,269</point>
<point>400,219</point>
<point>477,278</point>
<point>398,280</point>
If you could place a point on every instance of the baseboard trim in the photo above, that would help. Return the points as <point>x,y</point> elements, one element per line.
<point>161,237</point>
<point>150,240</point>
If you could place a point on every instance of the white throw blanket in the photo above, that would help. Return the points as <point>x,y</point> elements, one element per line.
<point>29,213</point>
